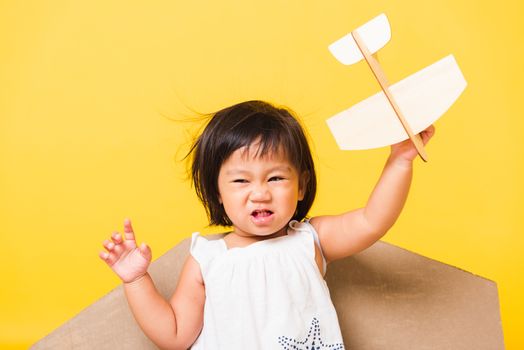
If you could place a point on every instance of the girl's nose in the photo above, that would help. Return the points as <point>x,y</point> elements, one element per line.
<point>259,194</point>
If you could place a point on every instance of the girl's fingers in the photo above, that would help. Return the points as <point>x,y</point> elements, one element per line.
<point>116,237</point>
<point>108,245</point>
<point>145,251</point>
<point>428,134</point>
<point>104,256</point>
<point>113,248</point>
<point>128,230</point>
<point>109,258</point>
<point>116,246</point>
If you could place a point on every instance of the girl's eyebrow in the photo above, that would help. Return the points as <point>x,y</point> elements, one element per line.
<point>235,171</point>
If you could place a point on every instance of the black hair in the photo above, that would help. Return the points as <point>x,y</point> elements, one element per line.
<point>240,125</point>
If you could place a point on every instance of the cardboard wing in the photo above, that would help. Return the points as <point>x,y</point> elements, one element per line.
<point>386,298</point>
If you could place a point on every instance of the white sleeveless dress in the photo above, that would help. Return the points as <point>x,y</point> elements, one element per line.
<point>268,295</point>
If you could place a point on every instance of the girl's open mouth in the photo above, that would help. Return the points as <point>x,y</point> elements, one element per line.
<point>262,216</point>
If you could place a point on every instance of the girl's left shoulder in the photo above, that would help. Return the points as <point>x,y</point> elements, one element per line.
<point>309,229</point>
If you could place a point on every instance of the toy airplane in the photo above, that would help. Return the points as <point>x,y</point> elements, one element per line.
<point>416,101</point>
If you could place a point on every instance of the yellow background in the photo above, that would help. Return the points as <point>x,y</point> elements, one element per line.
<point>87,87</point>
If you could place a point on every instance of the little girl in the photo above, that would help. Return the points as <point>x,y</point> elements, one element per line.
<point>262,285</point>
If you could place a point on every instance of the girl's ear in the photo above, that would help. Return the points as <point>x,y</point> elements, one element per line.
<point>302,185</point>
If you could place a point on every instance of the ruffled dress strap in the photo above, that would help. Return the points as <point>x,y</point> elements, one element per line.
<point>205,251</point>
<point>306,226</point>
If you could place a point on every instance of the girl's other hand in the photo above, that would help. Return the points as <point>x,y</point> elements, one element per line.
<point>124,257</point>
<point>406,151</point>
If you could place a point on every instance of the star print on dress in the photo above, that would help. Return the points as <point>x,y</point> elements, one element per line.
<point>312,342</point>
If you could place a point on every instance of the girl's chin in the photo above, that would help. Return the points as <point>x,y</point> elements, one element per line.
<point>273,231</point>
<point>263,231</point>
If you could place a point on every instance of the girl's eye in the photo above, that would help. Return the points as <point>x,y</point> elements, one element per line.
<point>241,181</point>
<point>276,178</point>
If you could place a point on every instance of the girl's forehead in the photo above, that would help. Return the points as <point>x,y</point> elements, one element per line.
<point>255,155</point>
<point>258,151</point>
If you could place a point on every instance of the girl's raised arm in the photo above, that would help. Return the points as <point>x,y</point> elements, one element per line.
<point>351,232</point>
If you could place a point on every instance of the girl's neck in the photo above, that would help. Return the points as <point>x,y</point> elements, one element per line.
<point>237,238</point>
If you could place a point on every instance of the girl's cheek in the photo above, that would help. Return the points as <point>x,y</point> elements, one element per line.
<point>243,192</point>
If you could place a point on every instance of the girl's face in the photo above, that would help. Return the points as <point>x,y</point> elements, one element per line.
<point>259,194</point>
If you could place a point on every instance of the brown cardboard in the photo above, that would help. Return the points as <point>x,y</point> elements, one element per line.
<point>386,298</point>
